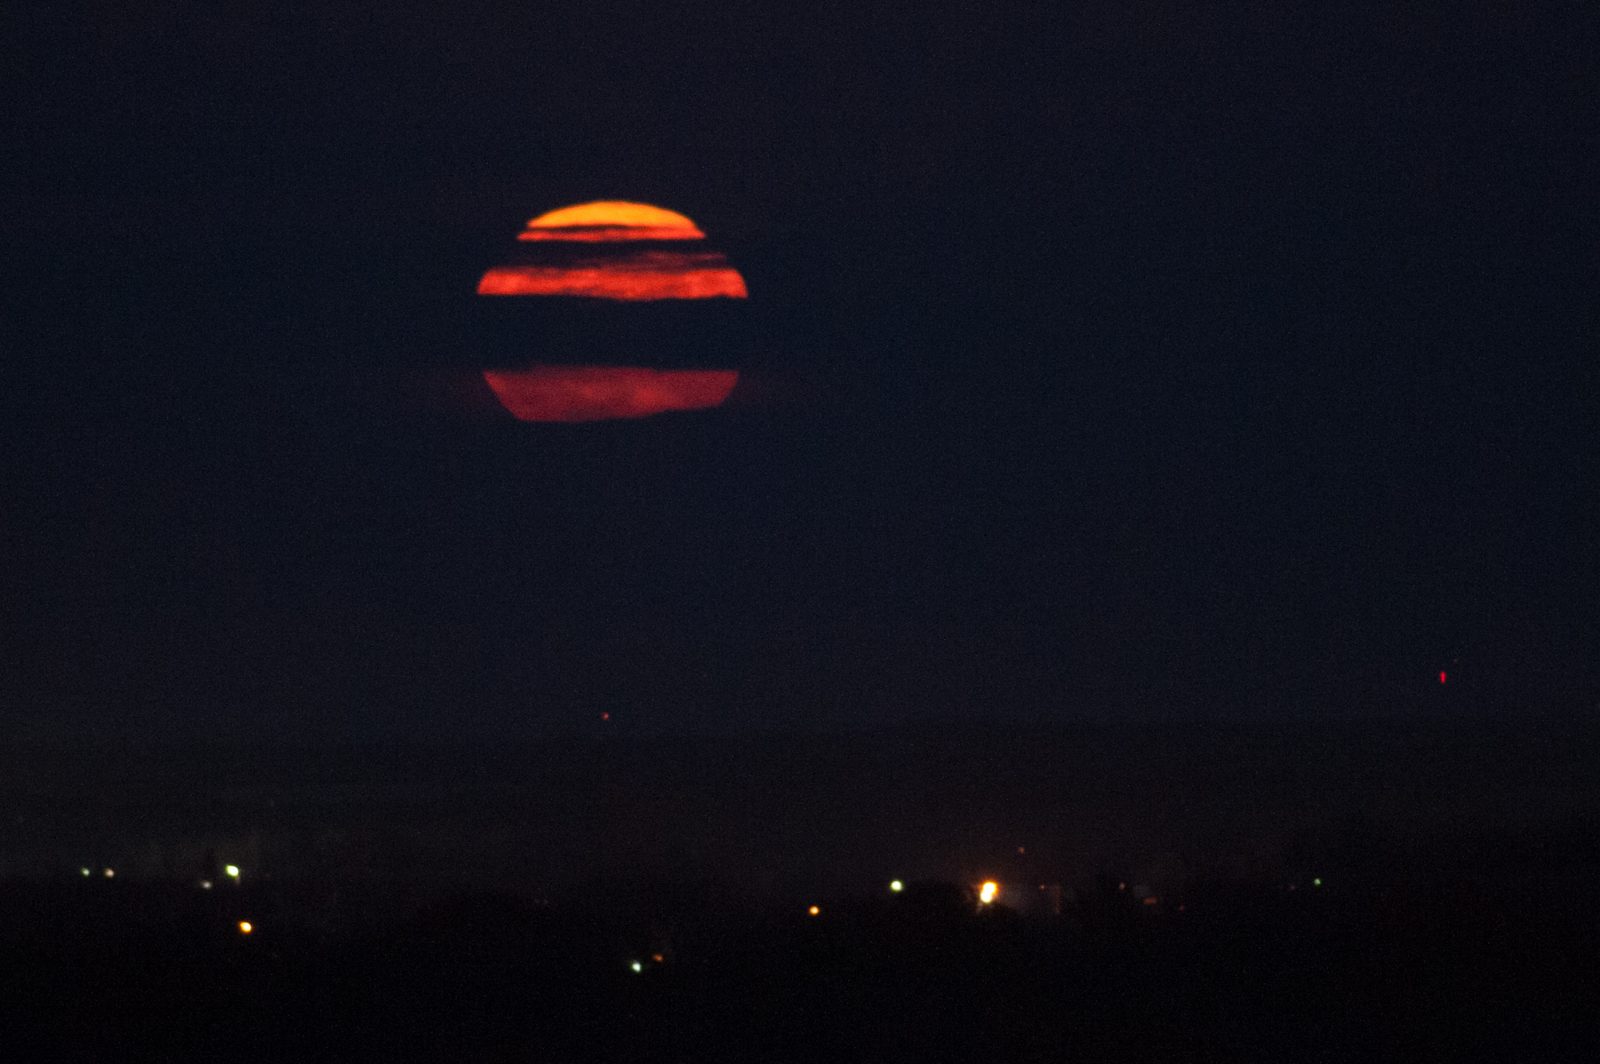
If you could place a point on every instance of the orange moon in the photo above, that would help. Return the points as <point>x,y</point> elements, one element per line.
<point>606,221</point>
<point>621,273</point>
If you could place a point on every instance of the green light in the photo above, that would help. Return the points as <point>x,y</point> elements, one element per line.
<point>896,886</point>
<point>232,871</point>
<point>1317,882</point>
<point>637,966</point>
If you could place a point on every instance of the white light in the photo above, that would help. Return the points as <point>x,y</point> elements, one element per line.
<point>637,966</point>
<point>988,892</point>
<point>232,871</point>
<point>896,886</point>
<point>205,884</point>
<point>110,872</point>
<point>83,871</point>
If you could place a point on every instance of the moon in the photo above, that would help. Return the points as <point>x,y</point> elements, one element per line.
<point>606,221</point>
<point>635,253</point>
<point>635,277</point>
<point>606,393</point>
<point>622,273</point>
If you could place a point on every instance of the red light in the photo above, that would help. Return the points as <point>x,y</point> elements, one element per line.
<point>601,393</point>
<point>1443,676</point>
<point>640,277</point>
<point>605,716</point>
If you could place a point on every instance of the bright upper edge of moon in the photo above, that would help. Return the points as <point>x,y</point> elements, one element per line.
<point>607,220</point>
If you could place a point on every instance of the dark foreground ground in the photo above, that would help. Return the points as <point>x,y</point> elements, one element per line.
<point>96,970</point>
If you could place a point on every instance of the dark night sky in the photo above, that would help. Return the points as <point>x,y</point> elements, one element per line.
<point>1102,361</point>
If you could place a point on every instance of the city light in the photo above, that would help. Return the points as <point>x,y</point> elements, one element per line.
<point>895,886</point>
<point>83,872</point>
<point>246,927</point>
<point>232,871</point>
<point>637,966</point>
<point>815,910</point>
<point>988,891</point>
<point>205,884</point>
<point>110,873</point>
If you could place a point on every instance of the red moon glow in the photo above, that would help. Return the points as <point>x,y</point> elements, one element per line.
<point>636,277</point>
<point>623,274</point>
<point>604,393</point>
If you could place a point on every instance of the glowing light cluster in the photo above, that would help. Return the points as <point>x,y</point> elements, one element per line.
<point>988,891</point>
